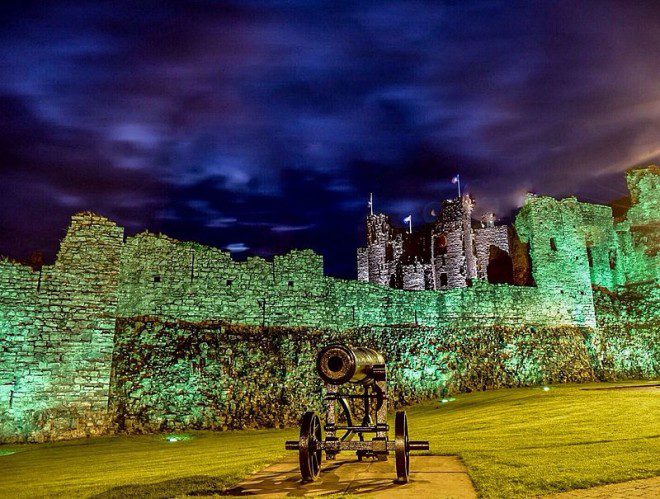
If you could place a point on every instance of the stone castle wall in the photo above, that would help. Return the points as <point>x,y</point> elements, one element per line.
<point>626,342</point>
<point>484,238</point>
<point>57,336</point>
<point>638,235</point>
<point>558,251</point>
<point>58,325</point>
<point>173,280</point>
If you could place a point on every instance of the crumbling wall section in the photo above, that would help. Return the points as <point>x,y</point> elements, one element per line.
<point>558,250</point>
<point>56,336</point>
<point>179,280</point>
<point>486,237</point>
<point>19,344</point>
<point>639,234</point>
<point>603,252</point>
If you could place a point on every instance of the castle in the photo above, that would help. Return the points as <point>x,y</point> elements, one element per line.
<point>448,253</point>
<point>149,333</point>
<point>455,249</point>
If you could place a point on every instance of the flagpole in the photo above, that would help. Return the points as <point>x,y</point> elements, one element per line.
<point>371,202</point>
<point>410,224</point>
<point>458,177</point>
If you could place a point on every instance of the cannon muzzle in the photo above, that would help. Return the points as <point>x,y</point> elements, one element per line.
<point>339,364</point>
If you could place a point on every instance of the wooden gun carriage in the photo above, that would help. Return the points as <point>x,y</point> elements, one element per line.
<point>339,365</point>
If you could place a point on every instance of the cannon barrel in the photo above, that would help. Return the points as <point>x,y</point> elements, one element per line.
<point>339,364</point>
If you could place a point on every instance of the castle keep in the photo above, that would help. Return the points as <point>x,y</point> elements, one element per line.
<point>448,253</point>
<point>149,333</point>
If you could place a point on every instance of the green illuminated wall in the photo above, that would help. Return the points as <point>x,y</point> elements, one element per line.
<point>187,281</point>
<point>626,342</point>
<point>639,232</point>
<point>593,312</point>
<point>56,336</point>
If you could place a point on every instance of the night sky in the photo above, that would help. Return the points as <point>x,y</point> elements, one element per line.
<point>263,126</point>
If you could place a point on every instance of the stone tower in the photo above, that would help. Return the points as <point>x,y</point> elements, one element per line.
<point>558,249</point>
<point>439,255</point>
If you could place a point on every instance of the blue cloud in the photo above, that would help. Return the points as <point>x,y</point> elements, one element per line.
<point>237,247</point>
<point>222,121</point>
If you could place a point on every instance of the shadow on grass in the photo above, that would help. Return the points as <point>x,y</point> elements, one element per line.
<point>588,442</point>
<point>198,485</point>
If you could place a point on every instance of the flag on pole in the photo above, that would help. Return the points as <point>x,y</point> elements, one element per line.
<point>457,180</point>
<point>408,220</point>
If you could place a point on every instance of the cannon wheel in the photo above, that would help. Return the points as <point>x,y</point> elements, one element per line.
<point>401,450</point>
<point>309,450</point>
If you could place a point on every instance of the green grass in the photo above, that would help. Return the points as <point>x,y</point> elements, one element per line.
<point>518,442</point>
<point>528,441</point>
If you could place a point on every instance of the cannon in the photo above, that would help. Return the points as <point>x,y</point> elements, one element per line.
<point>341,365</point>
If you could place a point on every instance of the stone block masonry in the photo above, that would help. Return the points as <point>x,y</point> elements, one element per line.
<point>484,239</point>
<point>177,280</point>
<point>165,278</point>
<point>437,255</point>
<point>57,336</point>
<point>626,342</point>
<point>227,344</point>
<point>638,234</point>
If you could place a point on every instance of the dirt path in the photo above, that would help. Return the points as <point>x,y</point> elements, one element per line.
<point>431,476</point>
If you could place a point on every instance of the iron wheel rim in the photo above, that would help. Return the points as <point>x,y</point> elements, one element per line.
<point>309,455</point>
<point>401,449</point>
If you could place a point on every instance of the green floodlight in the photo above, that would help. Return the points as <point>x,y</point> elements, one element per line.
<point>172,438</point>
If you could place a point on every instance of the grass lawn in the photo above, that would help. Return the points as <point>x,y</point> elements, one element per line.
<point>517,442</point>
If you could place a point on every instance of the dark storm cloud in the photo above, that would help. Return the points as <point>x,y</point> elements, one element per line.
<point>264,125</point>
